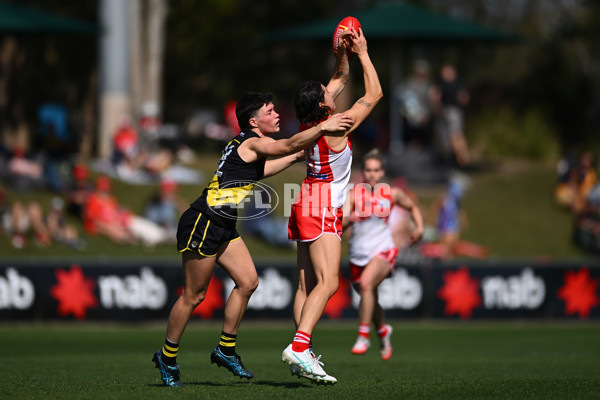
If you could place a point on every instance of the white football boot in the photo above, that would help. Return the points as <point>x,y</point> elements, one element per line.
<point>385,343</point>
<point>303,360</point>
<point>361,346</point>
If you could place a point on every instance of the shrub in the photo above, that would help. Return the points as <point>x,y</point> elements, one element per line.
<point>505,133</point>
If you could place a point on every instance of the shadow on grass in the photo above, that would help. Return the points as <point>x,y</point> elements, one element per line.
<point>288,385</point>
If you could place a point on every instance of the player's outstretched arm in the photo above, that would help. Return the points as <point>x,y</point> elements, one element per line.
<point>373,92</point>
<point>273,167</point>
<point>341,71</point>
<point>403,200</point>
<point>266,146</point>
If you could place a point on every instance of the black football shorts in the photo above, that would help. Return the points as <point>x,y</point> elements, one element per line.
<point>197,233</point>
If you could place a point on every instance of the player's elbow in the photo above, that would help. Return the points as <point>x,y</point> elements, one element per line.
<point>290,147</point>
<point>373,97</point>
<point>293,146</point>
<point>378,95</point>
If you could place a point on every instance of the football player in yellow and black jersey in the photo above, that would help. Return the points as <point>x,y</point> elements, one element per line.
<point>207,229</point>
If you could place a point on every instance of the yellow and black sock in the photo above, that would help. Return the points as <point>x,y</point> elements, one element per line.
<point>169,352</point>
<point>227,344</point>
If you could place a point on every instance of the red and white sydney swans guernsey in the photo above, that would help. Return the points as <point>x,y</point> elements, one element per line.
<point>371,234</point>
<point>318,207</point>
<point>329,172</point>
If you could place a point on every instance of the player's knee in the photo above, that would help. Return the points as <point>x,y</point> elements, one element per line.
<point>194,298</point>
<point>365,286</point>
<point>333,286</point>
<point>247,287</point>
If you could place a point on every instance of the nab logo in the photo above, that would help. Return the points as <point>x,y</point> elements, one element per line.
<point>16,291</point>
<point>145,290</point>
<point>519,291</point>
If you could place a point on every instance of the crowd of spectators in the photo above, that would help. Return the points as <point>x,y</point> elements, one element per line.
<point>578,191</point>
<point>77,202</point>
<point>433,112</point>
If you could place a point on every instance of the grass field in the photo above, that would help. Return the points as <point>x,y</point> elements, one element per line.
<point>492,360</point>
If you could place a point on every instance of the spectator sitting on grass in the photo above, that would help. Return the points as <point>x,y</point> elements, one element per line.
<point>78,191</point>
<point>576,179</point>
<point>164,207</point>
<point>59,229</point>
<point>19,220</point>
<point>586,180</point>
<point>103,215</point>
<point>586,232</point>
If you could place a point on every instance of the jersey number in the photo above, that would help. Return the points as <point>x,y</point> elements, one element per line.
<point>226,151</point>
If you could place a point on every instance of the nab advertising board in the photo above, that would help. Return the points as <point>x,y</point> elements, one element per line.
<point>137,290</point>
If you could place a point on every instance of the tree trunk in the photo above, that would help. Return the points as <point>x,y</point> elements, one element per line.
<point>157,13</point>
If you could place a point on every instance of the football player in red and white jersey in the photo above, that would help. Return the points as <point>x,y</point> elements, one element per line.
<point>316,216</point>
<point>372,249</point>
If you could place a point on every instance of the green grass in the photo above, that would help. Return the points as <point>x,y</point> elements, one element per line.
<point>432,361</point>
<point>512,211</point>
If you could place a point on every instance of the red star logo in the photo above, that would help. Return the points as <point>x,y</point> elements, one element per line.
<point>339,301</point>
<point>74,292</point>
<point>213,300</point>
<point>579,292</point>
<point>460,292</point>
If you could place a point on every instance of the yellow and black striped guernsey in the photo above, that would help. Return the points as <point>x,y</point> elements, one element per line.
<point>232,182</point>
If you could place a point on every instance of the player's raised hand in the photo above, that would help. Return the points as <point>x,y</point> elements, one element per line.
<point>337,122</point>
<point>359,42</point>
<point>415,236</point>
<point>345,41</point>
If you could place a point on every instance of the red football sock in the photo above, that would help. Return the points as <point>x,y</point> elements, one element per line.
<point>364,330</point>
<point>301,341</point>
<point>381,332</point>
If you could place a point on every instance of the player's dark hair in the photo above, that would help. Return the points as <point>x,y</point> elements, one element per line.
<point>248,105</point>
<point>373,154</point>
<point>306,103</point>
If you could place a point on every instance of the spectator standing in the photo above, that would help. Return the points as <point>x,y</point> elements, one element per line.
<point>414,99</point>
<point>448,99</point>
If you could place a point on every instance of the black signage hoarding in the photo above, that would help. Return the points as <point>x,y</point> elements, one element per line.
<point>126,290</point>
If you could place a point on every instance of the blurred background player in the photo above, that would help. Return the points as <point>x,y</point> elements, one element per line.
<point>372,249</point>
<point>316,216</point>
<point>207,229</point>
<point>451,218</point>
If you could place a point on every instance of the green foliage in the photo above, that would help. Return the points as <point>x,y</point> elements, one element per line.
<point>431,361</point>
<point>504,133</point>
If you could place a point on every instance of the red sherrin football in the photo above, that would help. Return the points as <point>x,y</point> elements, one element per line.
<point>344,25</point>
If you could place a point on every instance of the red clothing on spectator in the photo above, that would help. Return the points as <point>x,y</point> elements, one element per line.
<point>102,208</point>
